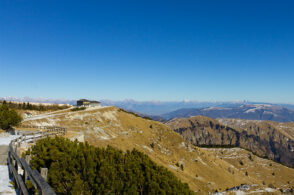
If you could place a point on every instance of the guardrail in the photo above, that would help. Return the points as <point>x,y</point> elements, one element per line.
<point>19,168</point>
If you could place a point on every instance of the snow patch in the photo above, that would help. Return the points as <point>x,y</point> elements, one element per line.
<point>5,186</point>
<point>111,115</point>
<point>216,108</point>
<point>173,167</point>
<point>146,147</point>
<point>78,116</point>
<point>201,161</point>
<point>101,133</point>
<point>6,140</point>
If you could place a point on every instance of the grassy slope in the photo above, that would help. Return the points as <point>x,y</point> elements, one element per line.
<point>266,170</point>
<point>111,126</point>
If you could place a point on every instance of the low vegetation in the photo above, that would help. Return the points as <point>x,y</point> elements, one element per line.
<point>78,168</point>
<point>78,109</point>
<point>8,117</point>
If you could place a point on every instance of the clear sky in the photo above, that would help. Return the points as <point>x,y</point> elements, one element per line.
<point>148,50</point>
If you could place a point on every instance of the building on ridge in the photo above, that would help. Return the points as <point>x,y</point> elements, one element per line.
<point>87,103</point>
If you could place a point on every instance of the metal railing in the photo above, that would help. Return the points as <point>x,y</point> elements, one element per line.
<point>19,168</point>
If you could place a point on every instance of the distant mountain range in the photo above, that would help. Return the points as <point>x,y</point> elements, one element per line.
<point>162,111</point>
<point>246,111</point>
<point>39,100</point>
<point>160,108</point>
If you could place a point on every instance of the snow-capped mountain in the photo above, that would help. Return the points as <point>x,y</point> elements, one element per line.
<point>246,111</point>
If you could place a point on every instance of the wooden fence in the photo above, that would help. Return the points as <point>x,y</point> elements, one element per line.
<point>19,168</point>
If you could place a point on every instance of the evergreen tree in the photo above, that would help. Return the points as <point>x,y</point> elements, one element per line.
<point>78,168</point>
<point>8,117</point>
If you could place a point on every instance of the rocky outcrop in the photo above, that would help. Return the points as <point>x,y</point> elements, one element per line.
<point>262,138</point>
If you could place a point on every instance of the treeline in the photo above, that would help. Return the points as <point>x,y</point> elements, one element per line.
<point>78,168</point>
<point>37,107</point>
<point>8,117</point>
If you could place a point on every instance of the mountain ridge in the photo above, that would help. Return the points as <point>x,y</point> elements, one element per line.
<point>153,108</point>
<point>263,138</point>
<point>248,111</point>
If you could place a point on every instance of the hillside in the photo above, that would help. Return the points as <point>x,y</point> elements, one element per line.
<point>196,166</point>
<point>246,111</point>
<point>85,169</point>
<point>261,137</point>
<point>272,174</point>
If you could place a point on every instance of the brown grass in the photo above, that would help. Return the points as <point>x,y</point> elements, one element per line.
<point>202,169</point>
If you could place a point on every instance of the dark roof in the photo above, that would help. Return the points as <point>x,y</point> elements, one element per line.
<point>91,101</point>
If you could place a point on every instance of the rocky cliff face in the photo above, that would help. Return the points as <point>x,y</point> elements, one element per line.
<point>266,139</point>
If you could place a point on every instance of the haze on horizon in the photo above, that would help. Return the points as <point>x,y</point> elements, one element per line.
<point>148,50</point>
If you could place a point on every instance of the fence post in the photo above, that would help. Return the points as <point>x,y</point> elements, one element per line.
<point>25,173</point>
<point>18,148</point>
<point>28,159</point>
<point>44,173</point>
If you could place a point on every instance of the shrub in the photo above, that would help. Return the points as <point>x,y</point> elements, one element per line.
<point>250,157</point>
<point>8,117</point>
<point>78,109</point>
<point>152,145</point>
<point>182,167</point>
<point>78,168</point>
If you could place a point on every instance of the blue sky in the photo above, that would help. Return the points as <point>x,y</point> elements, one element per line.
<point>148,50</point>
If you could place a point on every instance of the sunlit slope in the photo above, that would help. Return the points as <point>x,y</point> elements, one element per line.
<point>112,126</point>
<point>271,173</point>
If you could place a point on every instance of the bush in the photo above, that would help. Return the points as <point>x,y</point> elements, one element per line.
<point>182,167</point>
<point>152,145</point>
<point>78,168</point>
<point>250,157</point>
<point>78,108</point>
<point>8,117</point>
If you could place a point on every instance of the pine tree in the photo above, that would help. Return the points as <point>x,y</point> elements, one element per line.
<point>8,117</point>
<point>78,168</point>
